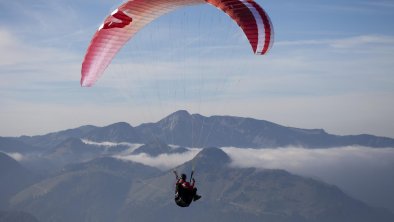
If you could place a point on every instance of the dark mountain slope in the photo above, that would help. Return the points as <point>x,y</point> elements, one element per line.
<point>16,216</point>
<point>13,178</point>
<point>13,145</point>
<point>91,191</point>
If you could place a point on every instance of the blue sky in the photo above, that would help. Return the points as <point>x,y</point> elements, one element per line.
<point>331,67</point>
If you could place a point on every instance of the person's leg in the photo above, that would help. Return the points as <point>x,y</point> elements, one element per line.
<point>195,195</point>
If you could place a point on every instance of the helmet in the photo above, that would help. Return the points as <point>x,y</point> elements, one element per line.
<point>183,176</point>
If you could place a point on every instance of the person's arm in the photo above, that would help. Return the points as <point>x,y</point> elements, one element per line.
<point>193,182</point>
<point>176,175</point>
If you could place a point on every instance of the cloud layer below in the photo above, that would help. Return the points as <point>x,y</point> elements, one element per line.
<point>364,173</point>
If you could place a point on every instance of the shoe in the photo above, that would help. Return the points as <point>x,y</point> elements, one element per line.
<point>196,197</point>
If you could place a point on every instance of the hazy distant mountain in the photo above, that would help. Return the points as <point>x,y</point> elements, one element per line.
<point>183,129</point>
<point>72,150</point>
<point>118,132</point>
<point>158,147</point>
<point>195,130</point>
<point>13,145</point>
<point>52,139</point>
<point>13,178</point>
<point>176,128</point>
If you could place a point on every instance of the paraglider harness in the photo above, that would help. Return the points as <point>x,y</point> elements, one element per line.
<point>183,197</point>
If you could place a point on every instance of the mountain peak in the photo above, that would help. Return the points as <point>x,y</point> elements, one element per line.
<point>117,132</point>
<point>180,120</point>
<point>181,113</point>
<point>178,115</point>
<point>211,157</point>
<point>120,125</point>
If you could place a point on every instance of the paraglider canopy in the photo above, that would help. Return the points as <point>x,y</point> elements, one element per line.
<point>133,15</point>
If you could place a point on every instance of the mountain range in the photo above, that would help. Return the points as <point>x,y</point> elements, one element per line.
<point>194,130</point>
<point>77,175</point>
<point>109,189</point>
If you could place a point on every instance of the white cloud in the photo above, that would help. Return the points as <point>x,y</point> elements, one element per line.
<point>106,145</point>
<point>16,156</point>
<point>301,160</point>
<point>22,64</point>
<point>111,144</point>
<point>363,40</point>
<point>163,161</point>
<point>349,42</point>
